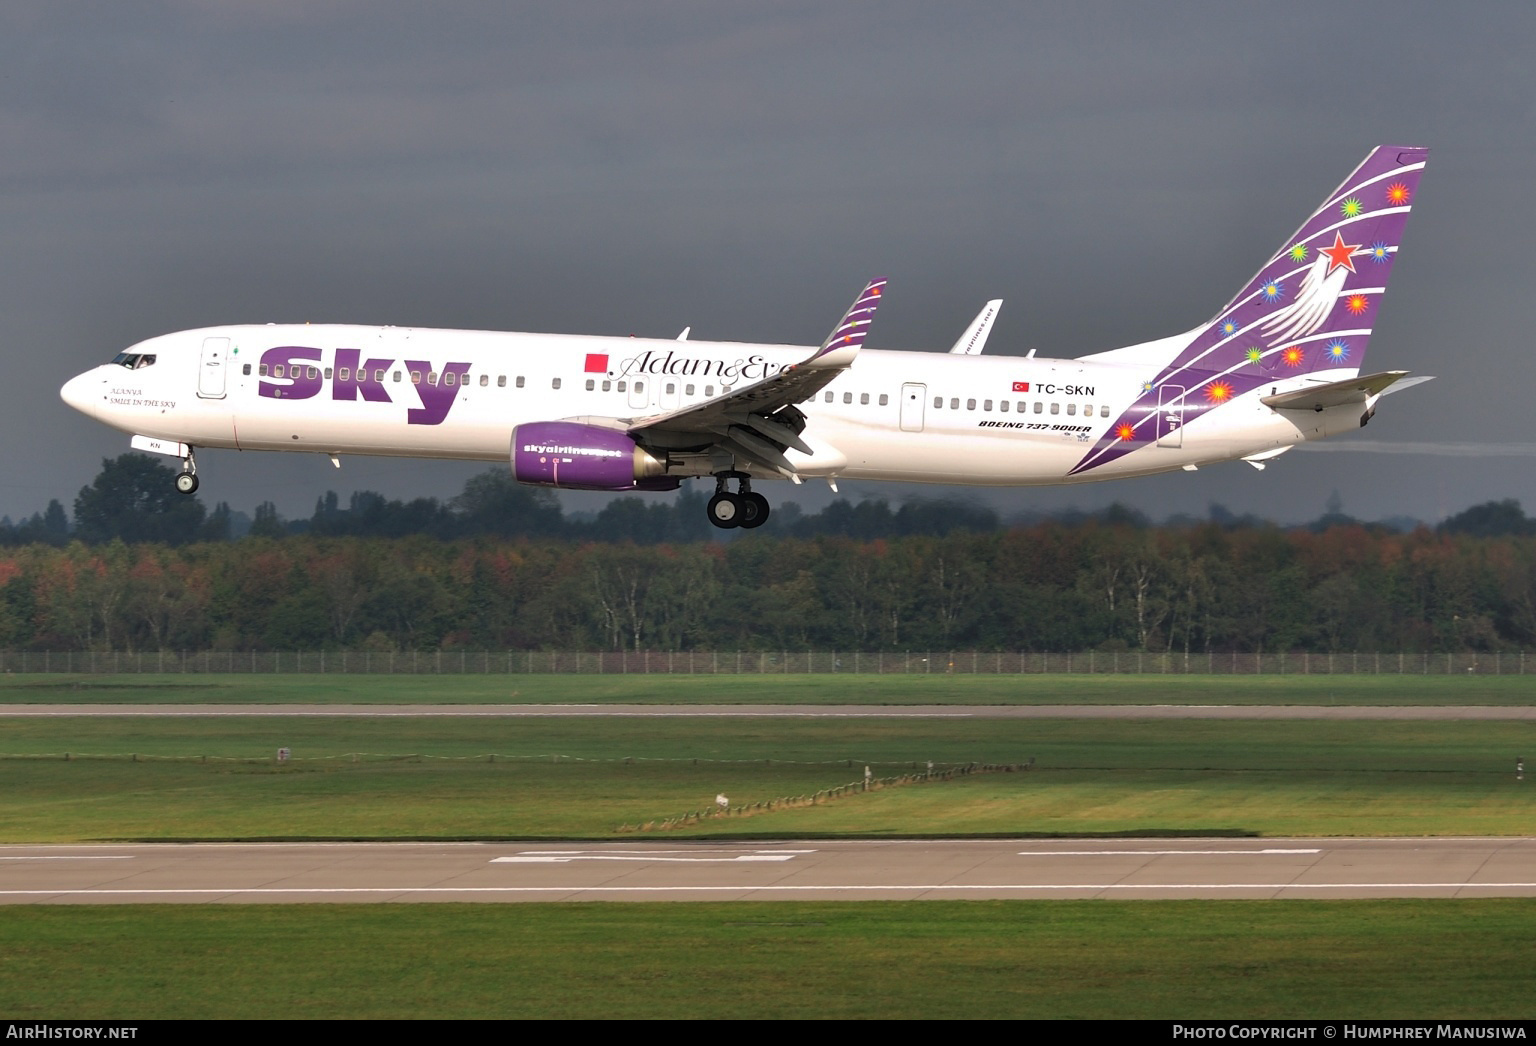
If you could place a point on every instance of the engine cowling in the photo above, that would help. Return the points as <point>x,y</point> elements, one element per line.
<point>574,456</point>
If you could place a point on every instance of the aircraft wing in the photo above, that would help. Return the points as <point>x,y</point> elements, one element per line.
<point>1337,393</point>
<point>758,421</point>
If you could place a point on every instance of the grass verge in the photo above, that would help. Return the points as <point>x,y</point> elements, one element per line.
<point>920,960</point>
<point>162,778</point>
<point>872,690</point>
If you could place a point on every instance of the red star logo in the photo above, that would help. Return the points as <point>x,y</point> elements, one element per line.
<point>1339,255</point>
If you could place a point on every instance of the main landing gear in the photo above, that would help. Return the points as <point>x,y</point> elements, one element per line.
<point>186,479</point>
<point>742,509</point>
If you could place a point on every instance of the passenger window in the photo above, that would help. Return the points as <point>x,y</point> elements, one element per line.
<point>1055,408</point>
<point>847,397</point>
<point>671,387</point>
<point>519,381</point>
<point>622,386</point>
<point>327,374</point>
<point>311,373</point>
<point>970,404</point>
<point>431,377</point>
<point>485,379</point>
<point>345,373</point>
<point>607,385</point>
<point>1023,406</point>
<point>1104,410</point>
<point>555,383</point>
<point>864,399</point>
<point>501,381</point>
<point>954,403</point>
<point>986,405</point>
<point>1002,405</point>
<point>415,377</point>
<point>378,376</point>
<point>687,390</point>
<point>1071,408</point>
<point>938,402</point>
<point>277,370</point>
<point>449,378</point>
<point>591,384</point>
<point>246,369</point>
<point>829,397</point>
<point>639,386</point>
<point>262,370</point>
<point>884,399</point>
<point>1039,406</point>
<point>709,390</point>
<point>396,375</point>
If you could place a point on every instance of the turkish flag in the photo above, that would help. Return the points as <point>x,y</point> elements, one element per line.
<point>1021,386</point>
<point>597,363</point>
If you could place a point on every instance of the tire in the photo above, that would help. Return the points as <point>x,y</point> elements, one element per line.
<point>186,482</point>
<point>756,510</point>
<point>726,511</point>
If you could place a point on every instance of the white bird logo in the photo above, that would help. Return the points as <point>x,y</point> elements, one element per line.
<point>1320,288</point>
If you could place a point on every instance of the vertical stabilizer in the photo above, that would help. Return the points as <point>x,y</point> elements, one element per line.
<point>1309,311</point>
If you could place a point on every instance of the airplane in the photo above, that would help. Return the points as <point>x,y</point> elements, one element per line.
<point>1278,365</point>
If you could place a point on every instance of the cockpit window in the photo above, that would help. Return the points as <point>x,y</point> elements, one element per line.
<point>134,360</point>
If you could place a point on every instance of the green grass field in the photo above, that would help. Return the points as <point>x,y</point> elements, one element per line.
<point>772,689</point>
<point>188,778</point>
<point>924,959</point>
<point>191,778</point>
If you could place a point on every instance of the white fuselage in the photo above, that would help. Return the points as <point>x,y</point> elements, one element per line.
<point>907,416</point>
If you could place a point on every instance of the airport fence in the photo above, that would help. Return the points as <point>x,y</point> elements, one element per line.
<point>699,662</point>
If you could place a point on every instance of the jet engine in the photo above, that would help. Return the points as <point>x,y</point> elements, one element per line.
<point>575,456</point>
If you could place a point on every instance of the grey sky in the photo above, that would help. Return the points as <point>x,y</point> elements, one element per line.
<point>1114,171</point>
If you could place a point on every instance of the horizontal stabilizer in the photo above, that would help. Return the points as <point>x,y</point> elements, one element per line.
<point>1335,393</point>
<point>975,337</point>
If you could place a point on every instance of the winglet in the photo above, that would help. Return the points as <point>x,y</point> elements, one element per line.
<point>851,330</point>
<point>975,337</point>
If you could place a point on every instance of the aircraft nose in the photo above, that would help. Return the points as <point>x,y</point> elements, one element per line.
<point>83,392</point>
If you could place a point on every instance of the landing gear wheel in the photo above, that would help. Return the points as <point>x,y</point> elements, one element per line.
<point>755,510</point>
<point>726,510</point>
<point>186,482</point>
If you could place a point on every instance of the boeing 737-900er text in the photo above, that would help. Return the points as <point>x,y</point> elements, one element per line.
<point>1279,364</point>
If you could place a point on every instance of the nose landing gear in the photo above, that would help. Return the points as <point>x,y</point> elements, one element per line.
<point>186,479</point>
<point>741,509</point>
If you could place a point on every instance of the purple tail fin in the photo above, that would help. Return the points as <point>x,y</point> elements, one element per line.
<point>1310,309</point>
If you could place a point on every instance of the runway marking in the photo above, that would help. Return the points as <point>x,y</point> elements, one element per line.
<point>228,891</point>
<point>1156,853</point>
<point>690,856</point>
<point>73,857</point>
<point>616,857</point>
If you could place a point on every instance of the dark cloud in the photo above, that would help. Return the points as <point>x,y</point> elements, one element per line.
<point>1113,171</point>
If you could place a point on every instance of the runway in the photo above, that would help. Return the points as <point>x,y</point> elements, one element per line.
<point>768,871</point>
<point>1384,712</point>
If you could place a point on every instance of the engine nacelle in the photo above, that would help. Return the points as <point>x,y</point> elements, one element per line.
<point>574,456</point>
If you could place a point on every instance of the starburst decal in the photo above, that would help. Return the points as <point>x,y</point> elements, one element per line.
<point>1228,328</point>
<point>1146,386</point>
<point>1255,355</point>
<point>1218,392</point>
<point>1294,356</point>
<point>1380,252</point>
<point>1298,253</point>
<point>1341,254</point>
<point>1274,290</point>
<point>1337,350</point>
<point>1398,194</point>
<point>1351,208</point>
<point>1357,303</point>
<point>1125,432</point>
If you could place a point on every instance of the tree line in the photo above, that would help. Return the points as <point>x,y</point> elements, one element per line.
<point>502,567</point>
<point>1046,587</point>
